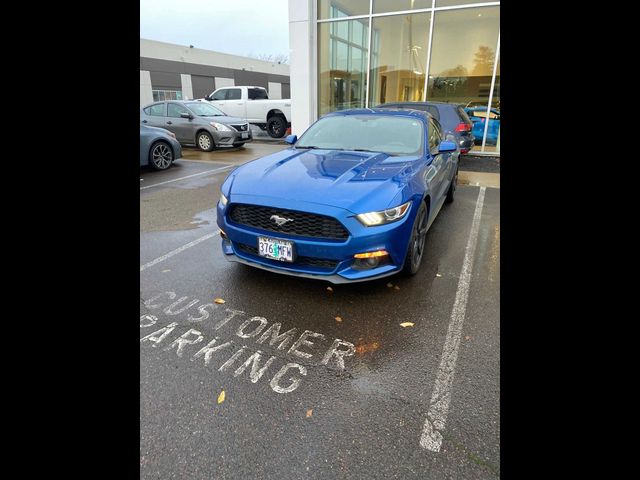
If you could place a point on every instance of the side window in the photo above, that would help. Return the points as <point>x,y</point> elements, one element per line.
<point>174,110</point>
<point>433,111</point>
<point>438,131</point>
<point>435,135</point>
<point>234,94</point>
<point>220,95</point>
<point>156,110</point>
<point>257,94</point>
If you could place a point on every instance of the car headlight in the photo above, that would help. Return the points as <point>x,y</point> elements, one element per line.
<point>223,200</point>
<point>385,216</point>
<point>220,127</point>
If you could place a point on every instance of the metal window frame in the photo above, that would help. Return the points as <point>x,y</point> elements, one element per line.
<point>493,83</point>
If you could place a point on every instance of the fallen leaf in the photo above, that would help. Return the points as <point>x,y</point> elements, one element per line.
<point>396,287</point>
<point>221,397</point>
<point>389,285</point>
<point>309,412</point>
<point>329,289</point>
<point>407,324</point>
<point>338,319</point>
<point>438,275</point>
<point>219,300</point>
<point>467,337</point>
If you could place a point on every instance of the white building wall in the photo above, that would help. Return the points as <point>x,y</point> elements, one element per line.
<point>275,90</point>
<point>182,53</point>
<point>187,88</point>
<point>146,95</point>
<point>302,70</point>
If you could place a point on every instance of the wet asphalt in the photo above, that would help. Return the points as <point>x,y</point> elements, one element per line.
<point>361,421</point>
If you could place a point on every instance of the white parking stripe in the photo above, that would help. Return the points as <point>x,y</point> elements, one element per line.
<point>190,176</point>
<point>176,251</point>
<point>431,438</point>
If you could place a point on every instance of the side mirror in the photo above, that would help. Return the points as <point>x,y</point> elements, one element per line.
<point>207,97</point>
<point>291,139</point>
<point>186,115</point>
<point>447,146</point>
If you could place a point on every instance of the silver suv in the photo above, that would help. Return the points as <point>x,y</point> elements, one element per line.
<point>197,123</point>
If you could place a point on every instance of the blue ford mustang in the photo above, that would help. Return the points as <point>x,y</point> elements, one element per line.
<point>351,200</point>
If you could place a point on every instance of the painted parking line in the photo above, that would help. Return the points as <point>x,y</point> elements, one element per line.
<point>431,438</point>
<point>177,251</point>
<point>222,169</point>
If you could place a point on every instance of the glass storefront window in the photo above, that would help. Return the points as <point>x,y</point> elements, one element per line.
<point>451,3</point>
<point>342,8</point>
<point>400,52</point>
<point>342,65</point>
<point>382,6</point>
<point>463,53</point>
<point>459,69</point>
<point>492,144</point>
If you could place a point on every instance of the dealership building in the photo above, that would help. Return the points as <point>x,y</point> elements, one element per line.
<point>178,72</point>
<point>362,53</point>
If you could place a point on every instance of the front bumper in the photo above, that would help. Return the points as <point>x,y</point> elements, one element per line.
<point>229,138</point>
<point>177,149</point>
<point>330,260</point>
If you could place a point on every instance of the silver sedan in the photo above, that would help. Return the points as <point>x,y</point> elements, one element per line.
<point>197,123</point>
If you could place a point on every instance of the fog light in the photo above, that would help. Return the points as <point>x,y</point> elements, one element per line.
<point>377,253</point>
<point>369,260</point>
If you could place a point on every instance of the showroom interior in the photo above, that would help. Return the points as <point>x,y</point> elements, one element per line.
<point>415,50</point>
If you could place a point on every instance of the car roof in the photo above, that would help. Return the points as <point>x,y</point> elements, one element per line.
<point>453,104</point>
<point>381,111</point>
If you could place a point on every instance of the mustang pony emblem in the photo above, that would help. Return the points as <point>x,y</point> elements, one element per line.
<point>280,220</point>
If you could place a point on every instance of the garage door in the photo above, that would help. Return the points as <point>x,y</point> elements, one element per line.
<point>202,85</point>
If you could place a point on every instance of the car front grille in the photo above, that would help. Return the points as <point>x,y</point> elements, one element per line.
<point>299,223</point>
<point>241,128</point>
<point>300,260</point>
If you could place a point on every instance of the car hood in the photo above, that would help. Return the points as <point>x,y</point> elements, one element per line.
<point>356,181</point>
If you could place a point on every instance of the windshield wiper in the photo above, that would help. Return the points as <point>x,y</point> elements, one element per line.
<point>366,150</point>
<point>310,147</point>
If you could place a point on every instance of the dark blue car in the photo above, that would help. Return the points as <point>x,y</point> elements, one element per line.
<point>351,200</point>
<point>452,117</point>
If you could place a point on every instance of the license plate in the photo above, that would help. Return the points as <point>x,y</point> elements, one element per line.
<point>245,134</point>
<point>275,249</point>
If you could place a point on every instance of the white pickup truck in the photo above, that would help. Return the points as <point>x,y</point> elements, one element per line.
<point>253,104</point>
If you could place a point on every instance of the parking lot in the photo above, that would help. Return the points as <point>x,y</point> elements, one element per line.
<point>283,377</point>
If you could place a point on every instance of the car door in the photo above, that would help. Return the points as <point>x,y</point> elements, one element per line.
<point>441,162</point>
<point>218,99</point>
<point>183,128</point>
<point>154,115</point>
<point>233,104</point>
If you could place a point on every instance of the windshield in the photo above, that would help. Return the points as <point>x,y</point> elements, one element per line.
<point>390,134</point>
<point>204,109</point>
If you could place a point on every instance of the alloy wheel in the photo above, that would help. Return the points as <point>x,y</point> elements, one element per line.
<point>161,156</point>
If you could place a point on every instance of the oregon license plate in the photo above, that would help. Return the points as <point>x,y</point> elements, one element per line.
<point>275,249</point>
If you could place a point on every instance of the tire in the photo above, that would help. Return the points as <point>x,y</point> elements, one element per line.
<point>204,140</point>
<point>277,126</point>
<point>160,156</point>
<point>452,188</point>
<point>415,250</point>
